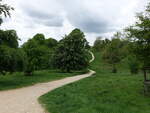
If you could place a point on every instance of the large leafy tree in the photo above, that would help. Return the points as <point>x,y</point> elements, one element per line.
<point>38,53</point>
<point>4,10</point>
<point>139,33</point>
<point>28,48</point>
<point>11,59</point>
<point>7,59</point>
<point>71,53</point>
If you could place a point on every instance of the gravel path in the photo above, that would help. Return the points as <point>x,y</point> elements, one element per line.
<point>25,100</point>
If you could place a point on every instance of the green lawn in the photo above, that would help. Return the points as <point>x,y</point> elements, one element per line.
<point>18,80</point>
<point>104,92</point>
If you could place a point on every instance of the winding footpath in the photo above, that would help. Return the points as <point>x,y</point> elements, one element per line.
<point>25,100</point>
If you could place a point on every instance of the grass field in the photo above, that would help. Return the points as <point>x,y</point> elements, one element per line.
<point>104,92</point>
<point>18,80</point>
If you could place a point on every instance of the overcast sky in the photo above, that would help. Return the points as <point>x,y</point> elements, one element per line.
<point>55,18</point>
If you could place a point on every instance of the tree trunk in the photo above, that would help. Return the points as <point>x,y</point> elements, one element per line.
<point>28,73</point>
<point>68,70</point>
<point>3,73</point>
<point>114,70</point>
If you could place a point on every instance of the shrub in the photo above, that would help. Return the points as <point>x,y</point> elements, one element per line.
<point>133,64</point>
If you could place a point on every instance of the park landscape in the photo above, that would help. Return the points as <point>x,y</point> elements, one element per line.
<point>45,75</point>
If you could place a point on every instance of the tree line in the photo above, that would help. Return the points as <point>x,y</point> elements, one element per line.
<point>39,53</point>
<point>71,53</point>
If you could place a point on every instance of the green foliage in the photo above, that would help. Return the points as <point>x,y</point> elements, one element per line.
<point>7,59</point>
<point>140,34</point>
<point>39,51</point>
<point>114,53</point>
<point>39,38</point>
<point>99,44</point>
<point>114,50</point>
<point>51,43</point>
<point>9,38</point>
<point>71,53</point>
<point>11,59</point>
<point>133,64</point>
<point>21,58</point>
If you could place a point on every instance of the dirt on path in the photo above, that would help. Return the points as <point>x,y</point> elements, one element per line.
<point>25,100</point>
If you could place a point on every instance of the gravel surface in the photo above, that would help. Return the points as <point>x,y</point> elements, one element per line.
<point>25,100</point>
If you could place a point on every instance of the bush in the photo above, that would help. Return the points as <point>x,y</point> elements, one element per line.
<point>133,64</point>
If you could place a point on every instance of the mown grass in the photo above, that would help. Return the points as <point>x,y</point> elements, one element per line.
<point>18,80</point>
<point>102,93</point>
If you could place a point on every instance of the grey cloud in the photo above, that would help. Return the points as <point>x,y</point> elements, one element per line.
<point>90,24</point>
<point>91,16</point>
<point>79,15</point>
<point>40,17</point>
<point>52,21</point>
<point>37,14</point>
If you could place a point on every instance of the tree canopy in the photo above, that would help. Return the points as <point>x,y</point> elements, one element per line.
<point>39,51</point>
<point>11,57</point>
<point>139,33</point>
<point>71,53</point>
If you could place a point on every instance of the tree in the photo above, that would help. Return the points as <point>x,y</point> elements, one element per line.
<point>38,54</point>
<point>140,35</point>
<point>100,44</point>
<point>11,59</point>
<point>7,59</point>
<point>71,53</point>
<point>38,59</point>
<point>113,52</point>
<point>4,10</point>
<point>29,48</point>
